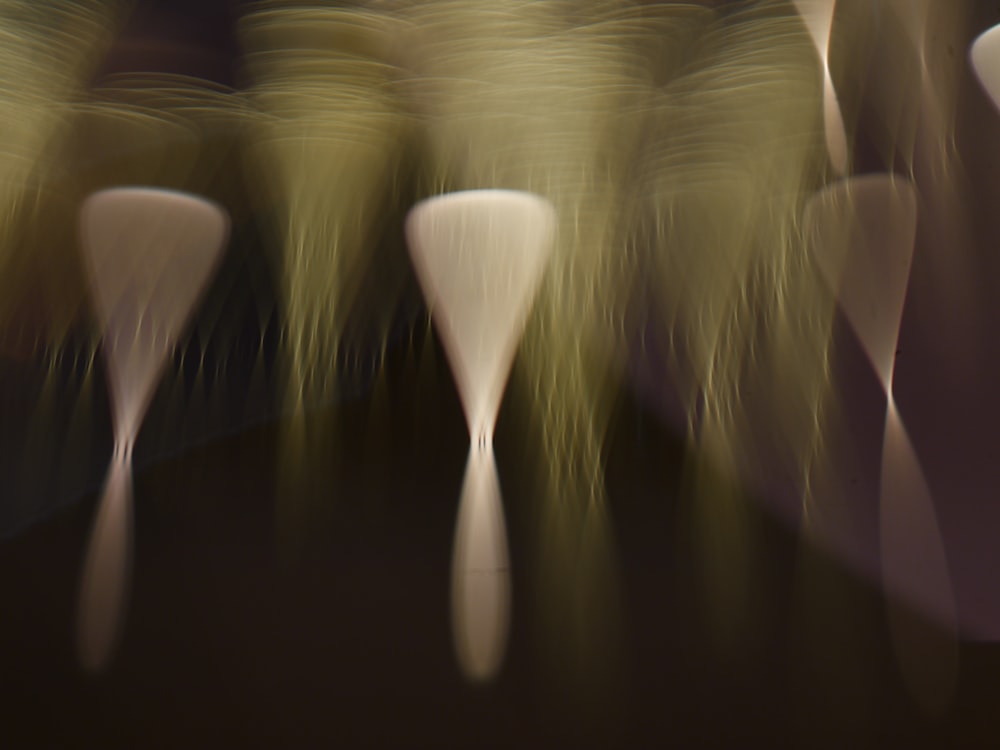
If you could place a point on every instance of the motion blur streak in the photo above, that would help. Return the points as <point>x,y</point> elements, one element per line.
<point>541,97</point>
<point>325,144</point>
<point>170,131</point>
<point>914,94</point>
<point>736,146</point>
<point>47,50</point>
<point>137,129</point>
<point>480,574</point>
<point>480,256</point>
<point>862,234</point>
<point>680,145</point>
<point>915,573</point>
<point>149,254</point>
<point>818,17</point>
<point>689,161</point>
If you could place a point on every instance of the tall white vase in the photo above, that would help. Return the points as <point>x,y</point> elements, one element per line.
<point>480,257</point>
<point>150,254</point>
<point>863,232</point>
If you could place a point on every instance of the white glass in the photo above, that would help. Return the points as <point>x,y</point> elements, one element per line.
<point>985,58</point>
<point>818,18</point>
<point>480,256</point>
<point>863,232</point>
<point>150,254</point>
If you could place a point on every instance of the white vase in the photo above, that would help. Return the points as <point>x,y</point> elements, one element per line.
<point>862,233</point>
<point>150,254</point>
<point>985,58</point>
<point>818,18</point>
<point>480,257</point>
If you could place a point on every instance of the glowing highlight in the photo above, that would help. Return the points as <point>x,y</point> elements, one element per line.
<point>150,254</point>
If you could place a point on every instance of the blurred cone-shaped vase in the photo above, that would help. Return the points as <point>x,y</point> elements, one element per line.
<point>985,58</point>
<point>150,254</point>
<point>480,256</point>
<point>818,18</point>
<point>863,232</point>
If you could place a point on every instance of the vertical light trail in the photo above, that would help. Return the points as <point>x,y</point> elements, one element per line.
<point>150,254</point>
<point>326,141</point>
<point>325,146</point>
<point>914,94</point>
<point>47,50</point>
<point>137,129</point>
<point>480,574</point>
<point>818,17</point>
<point>480,256</point>
<point>863,234</point>
<point>538,97</point>
<point>736,142</point>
